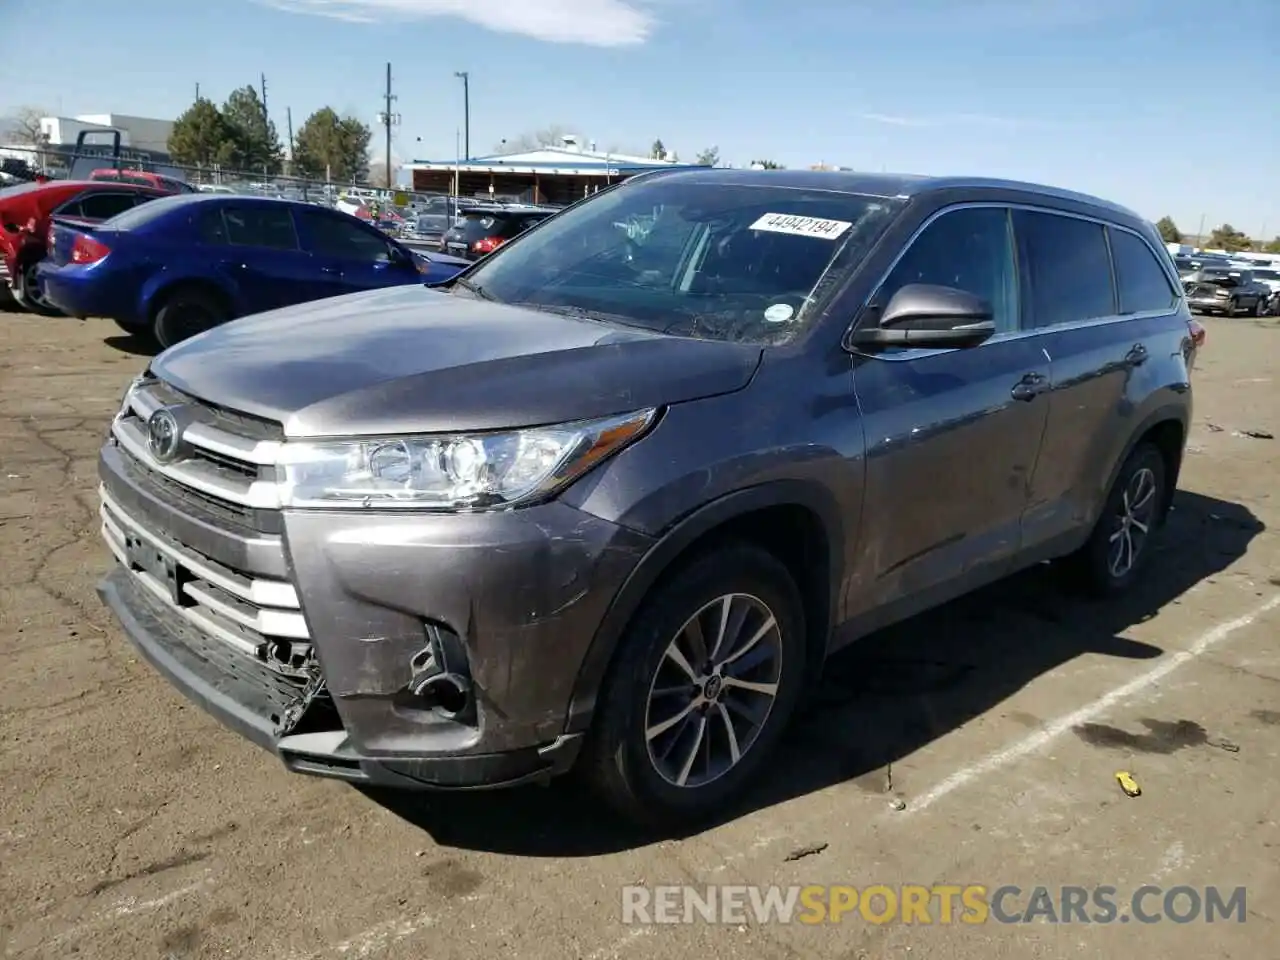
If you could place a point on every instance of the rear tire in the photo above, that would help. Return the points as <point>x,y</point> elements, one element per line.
<point>712,735</point>
<point>185,313</point>
<point>1120,545</point>
<point>24,292</point>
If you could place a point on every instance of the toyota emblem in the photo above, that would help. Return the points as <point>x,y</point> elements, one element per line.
<point>163,436</point>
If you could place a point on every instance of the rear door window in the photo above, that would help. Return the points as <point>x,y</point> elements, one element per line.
<point>267,226</point>
<point>1140,280</point>
<point>211,226</point>
<point>1068,268</point>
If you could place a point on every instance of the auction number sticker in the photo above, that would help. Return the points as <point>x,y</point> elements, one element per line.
<point>802,226</point>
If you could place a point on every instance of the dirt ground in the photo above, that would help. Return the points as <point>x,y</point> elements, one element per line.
<point>978,744</point>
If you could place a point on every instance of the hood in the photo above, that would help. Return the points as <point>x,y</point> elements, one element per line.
<point>414,360</point>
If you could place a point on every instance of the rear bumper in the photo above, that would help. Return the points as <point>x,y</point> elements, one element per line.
<point>78,293</point>
<point>250,701</point>
<point>1207,303</point>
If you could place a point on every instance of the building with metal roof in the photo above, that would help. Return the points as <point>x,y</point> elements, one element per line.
<point>550,174</point>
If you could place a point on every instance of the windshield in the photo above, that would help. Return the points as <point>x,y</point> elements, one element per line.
<point>717,260</point>
<point>1266,274</point>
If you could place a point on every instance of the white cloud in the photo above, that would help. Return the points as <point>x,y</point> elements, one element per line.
<point>946,120</point>
<point>598,23</point>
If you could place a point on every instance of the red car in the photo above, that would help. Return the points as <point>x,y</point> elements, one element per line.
<point>144,178</point>
<point>26,212</point>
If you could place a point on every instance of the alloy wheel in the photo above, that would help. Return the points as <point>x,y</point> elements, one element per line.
<point>31,288</point>
<point>1133,522</point>
<point>713,690</point>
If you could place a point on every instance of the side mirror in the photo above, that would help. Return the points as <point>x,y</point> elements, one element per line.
<point>925,315</point>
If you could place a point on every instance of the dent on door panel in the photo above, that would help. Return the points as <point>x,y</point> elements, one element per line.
<point>950,456</point>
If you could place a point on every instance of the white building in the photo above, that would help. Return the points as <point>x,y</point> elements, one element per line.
<point>136,133</point>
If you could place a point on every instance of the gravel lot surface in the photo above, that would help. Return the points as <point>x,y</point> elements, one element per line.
<point>978,744</point>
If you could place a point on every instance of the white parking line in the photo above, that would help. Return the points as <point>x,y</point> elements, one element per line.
<point>1056,728</point>
<point>129,907</point>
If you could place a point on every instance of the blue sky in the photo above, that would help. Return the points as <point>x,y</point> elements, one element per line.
<point>1157,104</point>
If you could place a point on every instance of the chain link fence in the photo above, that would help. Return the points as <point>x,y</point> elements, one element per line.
<point>19,162</point>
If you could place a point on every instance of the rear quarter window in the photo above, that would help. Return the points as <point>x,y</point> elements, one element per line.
<point>1068,268</point>
<point>1140,280</point>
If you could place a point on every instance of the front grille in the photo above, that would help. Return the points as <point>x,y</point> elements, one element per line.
<point>261,618</point>
<point>226,461</point>
<point>225,477</point>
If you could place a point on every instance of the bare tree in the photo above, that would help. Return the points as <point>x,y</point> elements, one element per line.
<point>25,127</point>
<point>378,174</point>
<point>549,136</point>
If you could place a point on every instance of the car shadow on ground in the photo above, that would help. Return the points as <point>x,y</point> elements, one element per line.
<point>137,346</point>
<point>886,696</point>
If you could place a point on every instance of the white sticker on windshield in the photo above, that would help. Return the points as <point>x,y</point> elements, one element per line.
<point>802,226</point>
<point>779,313</point>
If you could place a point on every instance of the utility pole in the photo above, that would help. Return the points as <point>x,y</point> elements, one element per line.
<point>263,78</point>
<point>197,90</point>
<point>288,119</point>
<point>388,120</point>
<point>465,77</point>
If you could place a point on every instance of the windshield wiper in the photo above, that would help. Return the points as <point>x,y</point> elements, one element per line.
<point>577,313</point>
<point>472,287</point>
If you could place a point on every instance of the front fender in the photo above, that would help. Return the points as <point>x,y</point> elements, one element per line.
<point>672,545</point>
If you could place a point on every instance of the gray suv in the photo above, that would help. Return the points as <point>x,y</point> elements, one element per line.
<point>609,498</point>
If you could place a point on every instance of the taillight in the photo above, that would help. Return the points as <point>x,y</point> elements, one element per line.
<point>1198,333</point>
<point>487,245</point>
<point>88,250</point>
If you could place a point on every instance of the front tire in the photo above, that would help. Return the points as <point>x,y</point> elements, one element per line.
<point>702,686</point>
<point>1120,545</point>
<point>1260,308</point>
<point>185,313</point>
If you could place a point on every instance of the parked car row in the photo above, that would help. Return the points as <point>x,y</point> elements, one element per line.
<point>27,211</point>
<point>180,265</point>
<point>535,520</point>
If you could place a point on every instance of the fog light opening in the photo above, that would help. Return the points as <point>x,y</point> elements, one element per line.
<point>446,693</point>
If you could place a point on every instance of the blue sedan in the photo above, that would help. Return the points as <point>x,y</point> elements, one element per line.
<point>181,265</point>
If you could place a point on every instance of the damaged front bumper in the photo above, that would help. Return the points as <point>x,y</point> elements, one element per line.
<point>249,704</point>
<point>444,651</point>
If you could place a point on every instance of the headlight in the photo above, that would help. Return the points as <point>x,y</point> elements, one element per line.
<point>477,471</point>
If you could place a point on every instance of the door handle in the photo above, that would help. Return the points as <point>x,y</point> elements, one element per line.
<point>333,271</point>
<point>1029,387</point>
<point>1136,356</point>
